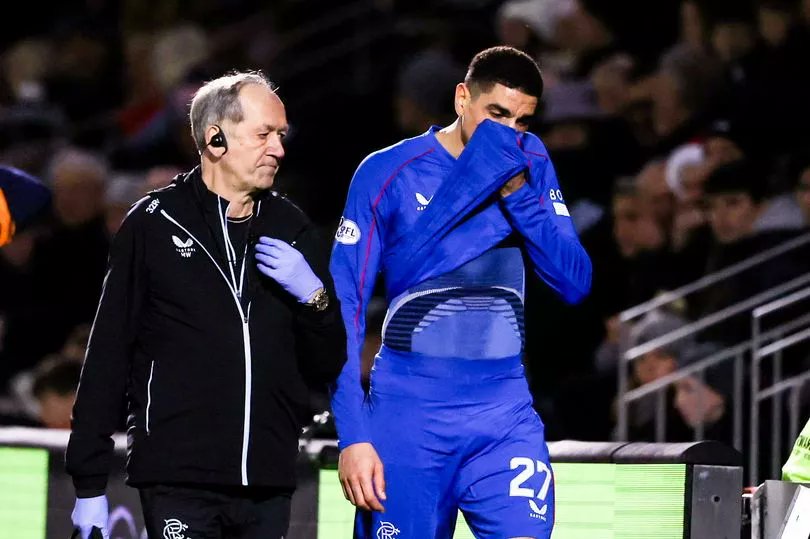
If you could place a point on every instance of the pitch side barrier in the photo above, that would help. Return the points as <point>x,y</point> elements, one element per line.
<point>604,490</point>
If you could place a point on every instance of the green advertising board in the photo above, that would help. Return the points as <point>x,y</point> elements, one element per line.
<point>593,501</point>
<point>23,492</point>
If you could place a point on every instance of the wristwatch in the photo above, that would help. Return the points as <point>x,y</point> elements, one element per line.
<point>320,301</point>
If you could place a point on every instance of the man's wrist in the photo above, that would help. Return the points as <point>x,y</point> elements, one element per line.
<point>319,300</point>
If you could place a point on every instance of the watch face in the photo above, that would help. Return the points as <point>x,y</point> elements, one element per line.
<point>323,301</point>
<point>320,301</point>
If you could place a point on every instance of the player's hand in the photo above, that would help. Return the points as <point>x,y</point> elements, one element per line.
<point>361,475</point>
<point>513,185</point>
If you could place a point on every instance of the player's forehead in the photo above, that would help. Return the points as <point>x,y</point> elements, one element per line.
<point>512,98</point>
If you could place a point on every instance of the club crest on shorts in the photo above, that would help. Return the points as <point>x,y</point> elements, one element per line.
<point>387,531</point>
<point>174,529</point>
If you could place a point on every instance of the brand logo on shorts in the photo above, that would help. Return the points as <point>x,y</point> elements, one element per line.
<point>387,531</point>
<point>174,529</point>
<point>183,247</point>
<point>538,512</point>
<point>348,233</point>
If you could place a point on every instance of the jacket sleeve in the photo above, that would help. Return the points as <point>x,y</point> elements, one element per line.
<point>319,336</point>
<point>101,396</point>
<point>354,266</point>
<point>543,221</point>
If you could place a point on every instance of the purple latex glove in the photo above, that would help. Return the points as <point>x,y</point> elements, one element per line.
<point>286,265</point>
<point>89,513</point>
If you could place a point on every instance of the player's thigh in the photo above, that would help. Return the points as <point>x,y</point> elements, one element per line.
<point>509,490</point>
<point>420,465</point>
<point>419,501</point>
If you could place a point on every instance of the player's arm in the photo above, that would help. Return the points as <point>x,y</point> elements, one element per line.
<point>541,217</point>
<point>100,399</point>
<point>354,265</point>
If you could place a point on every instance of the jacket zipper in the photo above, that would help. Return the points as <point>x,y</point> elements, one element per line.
<point>246,338</point>
<point>149,395</point>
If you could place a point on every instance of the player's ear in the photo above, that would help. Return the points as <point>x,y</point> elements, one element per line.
<point>461,99</point>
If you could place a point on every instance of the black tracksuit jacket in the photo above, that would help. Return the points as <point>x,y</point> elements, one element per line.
<point>215,385</point>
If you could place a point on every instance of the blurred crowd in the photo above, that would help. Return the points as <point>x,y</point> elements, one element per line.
<point>678,129</point>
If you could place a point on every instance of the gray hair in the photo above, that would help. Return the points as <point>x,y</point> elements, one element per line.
<point>218,100</point>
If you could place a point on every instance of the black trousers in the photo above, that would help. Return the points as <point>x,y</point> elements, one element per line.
<point>205,512</point>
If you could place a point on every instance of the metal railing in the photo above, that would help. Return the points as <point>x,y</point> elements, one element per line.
<point>737,353</point>
<point>762,346</point>
<point>669,297</point>
<point>690,329</point>
<point>761,349</point>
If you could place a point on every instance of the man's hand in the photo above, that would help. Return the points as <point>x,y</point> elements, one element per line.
<point>89,513</point>
<point>284,263</point>
<point>513,185</point>
<point>361,475</point>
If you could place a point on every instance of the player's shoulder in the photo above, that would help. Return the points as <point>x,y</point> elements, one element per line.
<point>381,164</point>
<point>532,144</point>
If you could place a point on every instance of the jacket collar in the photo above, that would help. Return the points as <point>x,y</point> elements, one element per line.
<point>207,198</point>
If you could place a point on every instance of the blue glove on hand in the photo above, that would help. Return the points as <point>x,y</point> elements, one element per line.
<point>283,263</point>
<point>89,513</point>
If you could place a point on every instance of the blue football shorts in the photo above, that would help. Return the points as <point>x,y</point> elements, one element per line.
<point>457,434</point>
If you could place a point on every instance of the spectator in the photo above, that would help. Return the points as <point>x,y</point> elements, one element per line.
<point>122,191</point>
<point>685,173</point>
<point>73,251</point>
<point>690,402</point>
<point>56,380</point>
<point>23,198</point>
<point>727,140</point>
<point>160,176</point>
<point>75,346</point>
<point>641,242</point>
<point>589,148</point>
<point>612,83</point>
<point>686,86</point>
<point>694,31</point>
<point>734,198</point>
<point>645,266</point>
<point>655,193</point>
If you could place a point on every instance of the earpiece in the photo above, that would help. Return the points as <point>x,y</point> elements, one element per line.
<point>218,140</point>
